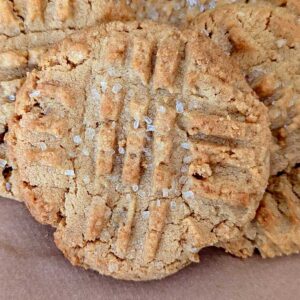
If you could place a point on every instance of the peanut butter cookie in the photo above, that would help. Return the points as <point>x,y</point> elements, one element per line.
<point>265,41</point>
<point>141,144</point>
<point>27,29</point>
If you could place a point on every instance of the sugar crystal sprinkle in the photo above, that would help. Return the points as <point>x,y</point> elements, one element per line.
<point>148,120</point>
<point>212,4</point>
<point>205,32</point>
<point>11,98</point>
<point>90,133</point>
<point>69,173</point>
<point>188,195</point>
<point>8,186</point>
<point>3,163</point>
<point>103,85</point>
<point>162,109</point>
<point>121,150</point>
<point>192,3</point>
<point>136,124</point>
<point>194,249</point>
<point>95,94</point>
<point>185,145</point>
<point>85,152</point>
<point>142,194</point>
<point>150,128</point>
<point>179,107</point>
<point>165,192</point>
<point>43,146</point>
<point>145,214</point>
<point>173,205</point>
<point>135,187</point>
<point>116,88</point>
<point>77,139</point>
<point>202,8</point>
<point>86,179</point>
<point>158,203</point>
<point>72,154</point>
<point>34,93</point>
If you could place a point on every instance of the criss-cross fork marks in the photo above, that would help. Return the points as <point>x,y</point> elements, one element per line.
<point>148,60</point>
<point>12,24</point>
<point>162,71</point>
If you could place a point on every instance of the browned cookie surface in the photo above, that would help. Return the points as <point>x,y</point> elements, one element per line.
<point>265,41</point>
<point>27,29</point>
<point>276,228</point>
<point>136,144</point>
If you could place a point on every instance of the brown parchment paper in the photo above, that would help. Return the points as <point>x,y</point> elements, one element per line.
<point>32,268</point>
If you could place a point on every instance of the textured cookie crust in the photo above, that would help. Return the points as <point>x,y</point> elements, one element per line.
<point>276,228</point>
<point>265,41</point>
<point>27,25</point>
<point>27,29</point>
<point>136,144</point>
<point>179,12</point>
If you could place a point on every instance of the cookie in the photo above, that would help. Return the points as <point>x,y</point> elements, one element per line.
<point>8,91</point>
<point>27,29</point>
<point>276,228</point>
<point>265,41</point>
<point>179,12</point>
<point>33,24</point>
<point>138,147</point>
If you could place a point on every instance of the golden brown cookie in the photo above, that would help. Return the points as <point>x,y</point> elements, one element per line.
<point>28,25</point>
<point>136,144</point>
<point>276,228</point>
<point>27,29</point>
<point>265,41</point>
<point>179,12</point>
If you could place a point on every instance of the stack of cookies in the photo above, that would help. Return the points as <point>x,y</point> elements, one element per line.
<point>145,131</point>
